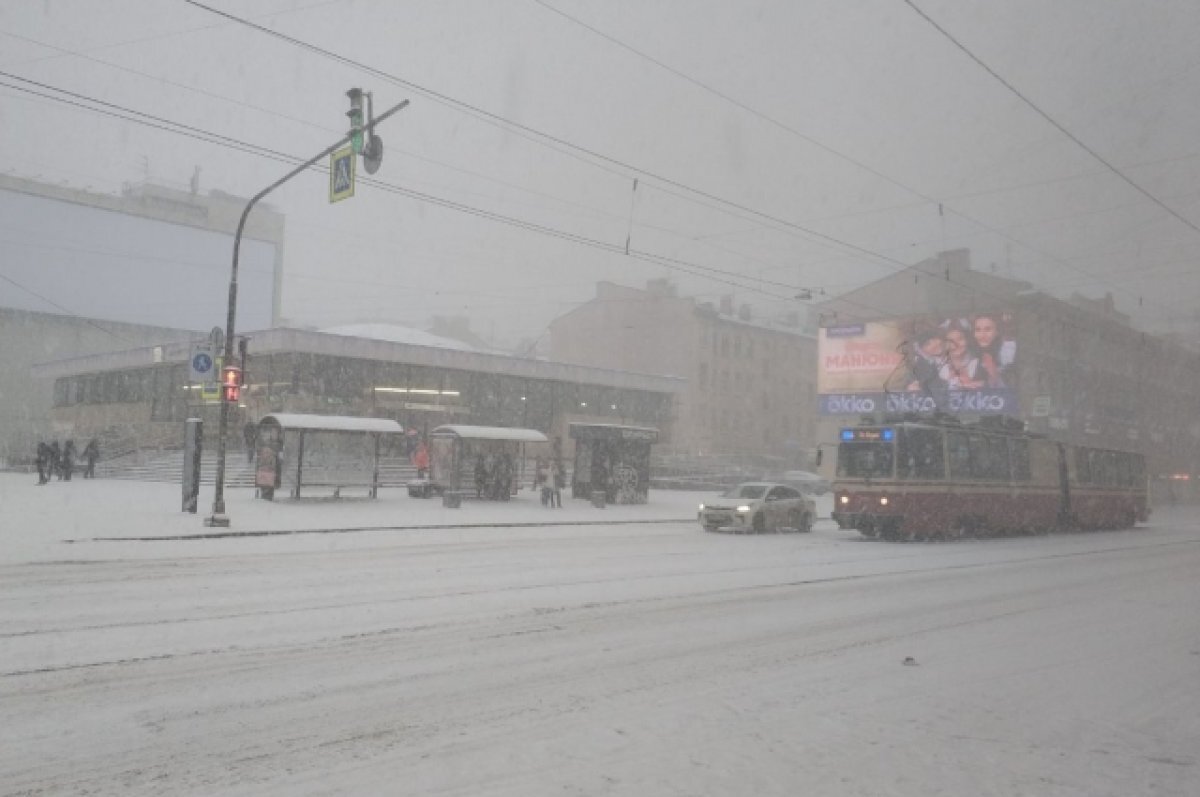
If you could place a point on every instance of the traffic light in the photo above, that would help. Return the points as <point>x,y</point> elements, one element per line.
<point>356,119</point>
<point>231,383</point>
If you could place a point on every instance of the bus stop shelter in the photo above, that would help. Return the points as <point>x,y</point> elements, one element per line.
<point>484,461</point>
<point>612,460</point>
<point>296,451</point>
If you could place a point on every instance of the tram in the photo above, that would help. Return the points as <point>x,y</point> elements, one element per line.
<point>942,479</point>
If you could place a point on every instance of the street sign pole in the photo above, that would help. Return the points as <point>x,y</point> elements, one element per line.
<point>218,516</point>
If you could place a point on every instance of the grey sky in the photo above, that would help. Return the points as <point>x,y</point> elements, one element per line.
<point>852,118</point>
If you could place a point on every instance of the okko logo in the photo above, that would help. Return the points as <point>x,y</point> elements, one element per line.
<point>849,404</point>
<point>908,402</point>
<point>977,402</point>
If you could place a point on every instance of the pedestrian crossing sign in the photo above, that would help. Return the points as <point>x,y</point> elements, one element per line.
<point>341,174</point>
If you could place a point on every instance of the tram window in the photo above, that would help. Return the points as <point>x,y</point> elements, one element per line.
<point>960,455</point>
<point>1083,467</point>
<point>1103,472</point>
<point>1018,450</point>
<point>865,460</point>
<point>921,455</point>
<point>989,457</point>
<point>1137,470</point>
<point>1121,468</point>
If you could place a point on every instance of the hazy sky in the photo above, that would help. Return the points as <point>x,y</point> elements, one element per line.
<point>746,124</point>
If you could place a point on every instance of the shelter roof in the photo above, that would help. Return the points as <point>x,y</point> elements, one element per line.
<point>492,433</point>
<point>334,423</point>
<point>612,430</point>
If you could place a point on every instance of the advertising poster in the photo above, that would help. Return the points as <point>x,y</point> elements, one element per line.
<point>964,365</point>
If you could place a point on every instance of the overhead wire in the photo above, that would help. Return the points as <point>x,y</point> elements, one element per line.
<point>543,137</point>
<point>161,123</point>
<point>166,125</point>
<point>1048,118</point>
<point>819,144</point>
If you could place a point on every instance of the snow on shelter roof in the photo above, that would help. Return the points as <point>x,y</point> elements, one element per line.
<point>334,423</point>
<point>492,433</point>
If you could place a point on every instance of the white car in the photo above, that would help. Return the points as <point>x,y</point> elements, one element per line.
<point>759,507</point>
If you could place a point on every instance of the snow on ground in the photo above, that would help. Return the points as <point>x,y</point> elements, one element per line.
<point>644,658</point>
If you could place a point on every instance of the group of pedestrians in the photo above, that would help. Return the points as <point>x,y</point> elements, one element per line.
<point>494,476</point>
<point>54,460</point>
<point>551,482</point>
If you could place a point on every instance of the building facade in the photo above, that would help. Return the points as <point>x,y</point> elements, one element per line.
<point>750,387</point>
<point>146,393</point>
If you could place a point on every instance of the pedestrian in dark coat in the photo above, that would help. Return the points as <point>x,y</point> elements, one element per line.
<point>560,481</point>
<point>43,462</point>
<point>55,461</point>
<point>68,460</point>
<point>250,436</point>
<point>91,453</point>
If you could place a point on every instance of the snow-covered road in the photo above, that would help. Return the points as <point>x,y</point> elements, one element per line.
<point>638,658</point>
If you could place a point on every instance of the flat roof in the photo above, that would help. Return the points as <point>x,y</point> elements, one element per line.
<point>300,341</point>
<point>491,433</point>
<point>333,423</point>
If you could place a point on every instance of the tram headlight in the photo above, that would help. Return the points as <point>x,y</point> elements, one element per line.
<point>702,507</point>
<point>883,500</point>
<point>845,499</point>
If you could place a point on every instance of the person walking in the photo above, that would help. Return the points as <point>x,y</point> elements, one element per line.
<point>91,453</point>
<point>250,436</point>
<point>544,483</point>
<point>68,460</point>
<point>55,465</point>
<point>481,476</point>
<point>43,462</point>
<point>560,482</point>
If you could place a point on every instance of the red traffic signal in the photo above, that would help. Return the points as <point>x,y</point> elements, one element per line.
<point>231,383</point>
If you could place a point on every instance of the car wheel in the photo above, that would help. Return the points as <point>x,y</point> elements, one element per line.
<point>759,523</point>
<point>711,526</point>
<point>807,523</point>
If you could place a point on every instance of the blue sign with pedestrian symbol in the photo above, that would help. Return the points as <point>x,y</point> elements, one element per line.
<point>341,174</point>
<point>202,366</point>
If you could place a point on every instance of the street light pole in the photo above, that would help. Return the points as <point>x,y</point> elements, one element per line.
<point>218,517</point>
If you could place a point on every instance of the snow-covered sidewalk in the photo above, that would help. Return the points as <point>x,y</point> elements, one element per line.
<point>38,522</point>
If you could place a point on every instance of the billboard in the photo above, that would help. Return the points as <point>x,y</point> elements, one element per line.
<point>962,364</point>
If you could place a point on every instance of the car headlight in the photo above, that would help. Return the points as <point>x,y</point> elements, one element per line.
<point>702,507</point>
<point>883,500</point>
<point>743,508</point>
<point>845,499</point>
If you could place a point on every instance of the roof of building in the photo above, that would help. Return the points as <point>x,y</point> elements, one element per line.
<point>299,341</point>
<point>394,333</point>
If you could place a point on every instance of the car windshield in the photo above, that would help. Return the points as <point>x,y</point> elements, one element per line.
<point>750,491</point>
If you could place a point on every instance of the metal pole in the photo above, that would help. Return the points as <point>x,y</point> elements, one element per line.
<point>218,517</point>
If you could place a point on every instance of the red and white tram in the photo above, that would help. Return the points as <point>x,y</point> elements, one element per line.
<point>927,479</point>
